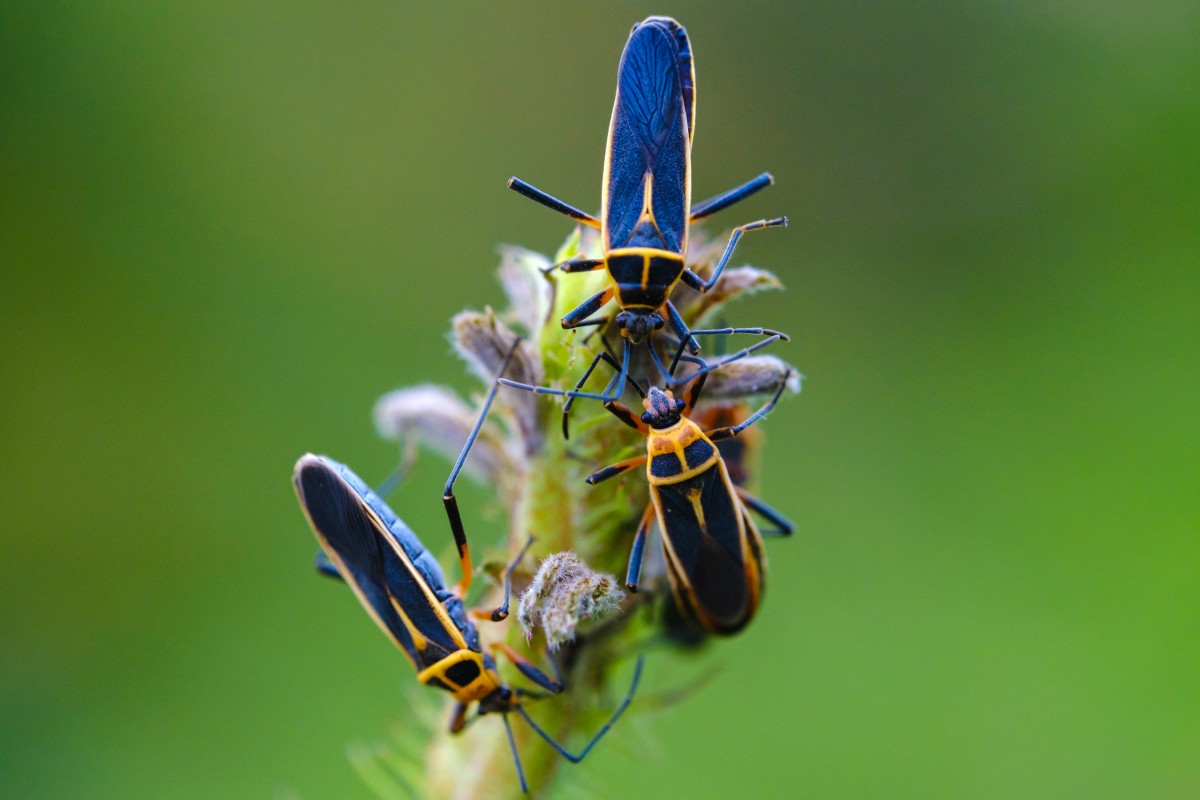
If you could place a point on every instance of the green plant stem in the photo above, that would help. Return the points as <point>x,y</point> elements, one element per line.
<point>552,502</point>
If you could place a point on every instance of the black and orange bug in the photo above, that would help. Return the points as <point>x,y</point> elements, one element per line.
<point>712,547</point>
<point>401,586</point>
<point>646,196</point>
<point>740,453</point>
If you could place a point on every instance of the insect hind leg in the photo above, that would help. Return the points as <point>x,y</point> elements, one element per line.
<point>512,746</point>
<point>699,284</point>
<point>612,720</point>
<point>735,195</point>
<point>451,502</point>
<point>783,525</point>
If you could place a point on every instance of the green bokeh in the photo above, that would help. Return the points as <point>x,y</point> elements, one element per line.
<point>224,231</point>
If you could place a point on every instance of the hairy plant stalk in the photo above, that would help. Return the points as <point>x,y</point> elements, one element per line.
<point>539,477</point>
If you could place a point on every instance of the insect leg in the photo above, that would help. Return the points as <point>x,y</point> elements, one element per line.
<point>579,316</point>
<point>529,387</point>
<point>733,430</point>
<point>448,498</point>
<point>634,573</point>
<point>497,614</point>
<point>724,200</point>
<point>601,356</point>
<point>606,398</point>
<point>551,202</point>
<point>325,566</point>
<point>578,264</point>
<point>725,332</point>
<point>784,526</point>
<point>613,470</point>
<point>715,365</point>
<point>512,745</point>
<point>701,285</point>
<point>527,668</point>
<point>686,338</point>
<point>613,390</point>
<point>575,759</point>
<point>458,719</point>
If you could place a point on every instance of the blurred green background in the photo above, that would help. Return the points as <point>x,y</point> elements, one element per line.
<point>225,230</point>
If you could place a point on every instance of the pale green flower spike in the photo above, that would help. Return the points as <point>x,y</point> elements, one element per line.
<point>572,605</point>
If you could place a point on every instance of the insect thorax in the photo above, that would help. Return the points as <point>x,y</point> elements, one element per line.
<point>678,453</point>
<point>643,276</point>
<point>466,674</point>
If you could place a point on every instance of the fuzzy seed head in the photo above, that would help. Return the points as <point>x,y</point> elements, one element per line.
<point>564,593</point>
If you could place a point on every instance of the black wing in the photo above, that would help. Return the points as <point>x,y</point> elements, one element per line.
<point>650,140</point>
<point>398,583</point>
<point>706,539</point>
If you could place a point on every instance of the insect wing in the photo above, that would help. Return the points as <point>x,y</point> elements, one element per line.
<point>687,70</point>
<point>649,141</point>
<point>713,554</point>
<point>397,581</point>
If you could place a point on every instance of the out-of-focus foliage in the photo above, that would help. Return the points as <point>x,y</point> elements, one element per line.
<point>226,230</point>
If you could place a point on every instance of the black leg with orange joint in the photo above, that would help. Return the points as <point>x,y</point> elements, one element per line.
<point>451,502</point>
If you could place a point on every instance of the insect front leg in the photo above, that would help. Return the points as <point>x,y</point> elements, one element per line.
<point>578,317</point>
<point>613,470</point>
<point>728,431</point>
<point>686,338</point>
<point>720,332</point>
<point>608,389</point>
<point>527,668</point>
<point>579,264</point>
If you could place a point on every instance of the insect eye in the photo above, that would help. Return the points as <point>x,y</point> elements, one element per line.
<point>648,417</point>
